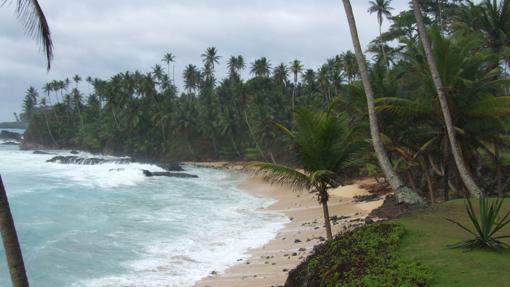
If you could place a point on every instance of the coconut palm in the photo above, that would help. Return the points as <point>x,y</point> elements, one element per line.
<point>326,146</point>
<point>296,69</point>
<point>349,65</point>
<point>170,58</point>
<point>457,155</point>
<point>192,78</point>
<point>261,68</point>
<point>34,21</point>
<point>235,65</point>
<point>383,9</point>
<point>402,192</point>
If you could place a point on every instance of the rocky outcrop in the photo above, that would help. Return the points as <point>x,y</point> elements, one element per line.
<point>85,161</point>
<point>168,174</point>
<point>7,135</point>
<point>10,143</point>
<point>40,152</point>
<point>170,166</point>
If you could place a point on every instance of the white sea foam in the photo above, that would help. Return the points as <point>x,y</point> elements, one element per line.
<point>108,225</point>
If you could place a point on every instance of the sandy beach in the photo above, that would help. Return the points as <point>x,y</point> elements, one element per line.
<point>269,265</point>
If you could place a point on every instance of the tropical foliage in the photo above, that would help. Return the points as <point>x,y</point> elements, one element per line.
<point>326,146</point>
<point>486,222</point>
<point>145,114</point>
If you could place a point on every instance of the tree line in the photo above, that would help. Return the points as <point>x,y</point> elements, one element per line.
<point>144,114</point>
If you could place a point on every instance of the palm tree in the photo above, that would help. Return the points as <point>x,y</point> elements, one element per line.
<point>383,9</point>
<point>210,58</point>
<point>170,58</point>
<point>235,65</point>
<point>296,69</point>
<point>349,65</point>
<point>34,21</point>
<point>457,155</point>
<point>402,192</point>
<point>191,79</point>
<point>261,68</point>
<point>326,146</point>
<point>77,79</point>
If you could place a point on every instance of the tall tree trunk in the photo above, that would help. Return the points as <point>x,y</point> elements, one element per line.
<point>235,146</point>
<point>327,222</point>
<point>253,136</point>
<point>430,185</point>
<point>11,243</point>
<point>446,169</point>
<point>499,186</point>
<point>403,193</point>
<point>48,128</point>
<point>470,184</point>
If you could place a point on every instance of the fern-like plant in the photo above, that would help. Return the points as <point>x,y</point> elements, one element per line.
<point>486,225</point>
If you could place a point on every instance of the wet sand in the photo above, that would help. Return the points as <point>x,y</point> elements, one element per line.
<point>269,265</point>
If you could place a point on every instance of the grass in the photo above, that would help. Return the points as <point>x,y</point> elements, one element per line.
<point>426,239</point>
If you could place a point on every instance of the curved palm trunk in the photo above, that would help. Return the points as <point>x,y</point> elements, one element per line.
<point>11,243</point>
<point>403,193</point>
<point>327,223</point>
<point>470,184</point>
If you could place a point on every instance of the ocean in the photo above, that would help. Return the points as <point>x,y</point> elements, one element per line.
<point>109,225</point>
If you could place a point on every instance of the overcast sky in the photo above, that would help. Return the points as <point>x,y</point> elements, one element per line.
<point>99,38</point>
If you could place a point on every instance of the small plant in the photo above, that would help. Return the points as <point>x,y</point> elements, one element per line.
<point>486,225</point>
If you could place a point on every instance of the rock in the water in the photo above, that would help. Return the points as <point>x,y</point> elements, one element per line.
<point>7,135</point>
<point>40,152</point>
<point>168,174</point>
<point>75,152</point>
<point>10,143</point>
<point>171,166</point>
<point>85,161</point>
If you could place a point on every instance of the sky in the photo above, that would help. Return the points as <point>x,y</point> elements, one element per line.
<point>100,38</point>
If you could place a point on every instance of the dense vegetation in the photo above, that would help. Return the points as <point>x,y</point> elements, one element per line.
<point>410,251</point>
<point>144,114</point>
<point>365,257</point>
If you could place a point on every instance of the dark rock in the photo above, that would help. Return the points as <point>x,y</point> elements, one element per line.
<point>170,166</point>
<point>7,135</point>
<point>85,161</point>
<point>10,143</point>
<point>40,152</point>
<point>294,254</point>
<point>302,249</point>
<point>168,174</point>
<point>75,152</point>
<point>297,241</point>
<point>366,198</point>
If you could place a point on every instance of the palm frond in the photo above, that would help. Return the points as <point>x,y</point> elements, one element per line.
<point>280,174</point>
<point>35,25</point>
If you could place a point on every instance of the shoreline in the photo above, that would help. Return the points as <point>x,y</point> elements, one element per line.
<point>269,265</point>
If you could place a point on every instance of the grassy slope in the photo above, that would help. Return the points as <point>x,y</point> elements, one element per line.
<point>426,238</point>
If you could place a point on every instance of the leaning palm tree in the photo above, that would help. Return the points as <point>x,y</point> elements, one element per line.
<point>470,184</point>
<point>402,192</point>
<point>326,146</point>
<point>34,21</point>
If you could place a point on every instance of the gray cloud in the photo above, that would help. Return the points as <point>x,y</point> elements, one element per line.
<point>101,38</point>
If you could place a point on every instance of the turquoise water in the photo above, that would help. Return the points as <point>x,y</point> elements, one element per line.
<point>108,225</point>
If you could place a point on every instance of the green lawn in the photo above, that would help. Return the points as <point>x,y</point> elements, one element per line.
<point>428,234</point>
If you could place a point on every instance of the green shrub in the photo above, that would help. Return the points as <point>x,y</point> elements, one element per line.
<point>364,257</point>
<point>486,225</point>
